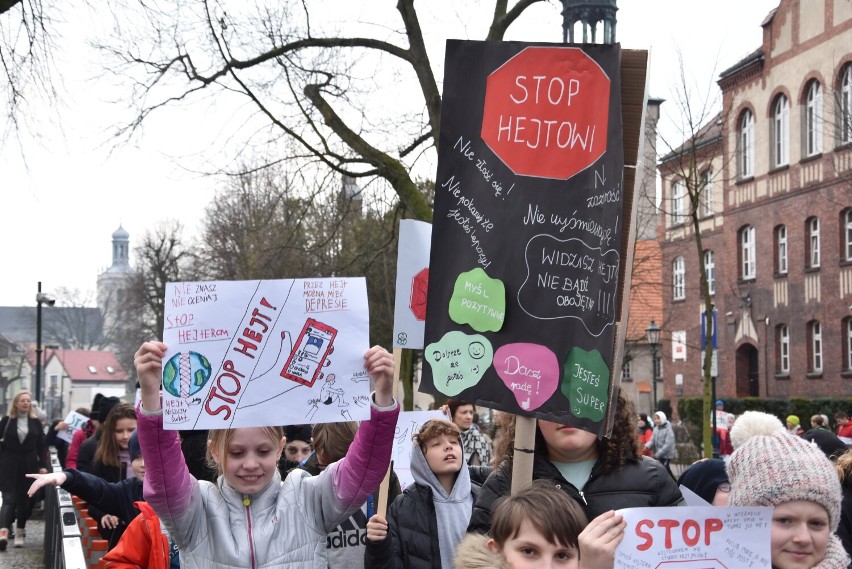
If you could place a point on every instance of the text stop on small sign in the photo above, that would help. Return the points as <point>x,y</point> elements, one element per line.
<point>546,112</point>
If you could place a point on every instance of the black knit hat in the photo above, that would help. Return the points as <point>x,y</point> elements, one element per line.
<point>105,405</point>
<point>704,478</point>
<point>133,446</point>
<point>298,433</point>
<point>829,443</point>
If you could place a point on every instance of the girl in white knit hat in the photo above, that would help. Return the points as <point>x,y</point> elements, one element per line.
<point>770,467</point>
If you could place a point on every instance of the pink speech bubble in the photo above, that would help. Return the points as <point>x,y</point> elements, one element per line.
<point>530,371</point>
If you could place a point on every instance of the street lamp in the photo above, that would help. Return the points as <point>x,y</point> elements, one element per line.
<point>652,336</point>
<point>41,298</point>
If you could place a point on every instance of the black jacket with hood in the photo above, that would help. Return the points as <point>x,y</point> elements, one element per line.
<point>412,541</point>
<point>640,483</point>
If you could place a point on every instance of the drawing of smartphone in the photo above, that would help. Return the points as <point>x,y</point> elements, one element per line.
<point>310,352</point>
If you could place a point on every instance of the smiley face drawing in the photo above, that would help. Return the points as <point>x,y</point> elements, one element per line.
<point>476,350</point>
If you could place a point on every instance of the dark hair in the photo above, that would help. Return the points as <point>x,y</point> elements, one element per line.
<point>841,415</point>
<point>107,451</point>
<point>647,421</point>
<point>555,515</point>
<point>454,405</point>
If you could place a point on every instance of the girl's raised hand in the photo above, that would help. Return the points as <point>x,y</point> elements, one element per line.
<point>599,540</point>
<point>149,369</point>
<point>379,363</point>
<point>42,480</point>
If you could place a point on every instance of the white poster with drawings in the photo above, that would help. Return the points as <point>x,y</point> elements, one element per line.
<point>696,538</point>
<point>75,422</point>
<point>412,283</point>
<point>407,426</point>
<point>263,353</point>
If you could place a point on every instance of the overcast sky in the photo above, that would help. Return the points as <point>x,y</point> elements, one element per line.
<point>65,187</point>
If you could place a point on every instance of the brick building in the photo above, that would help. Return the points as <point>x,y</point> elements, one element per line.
<point>775,218</point>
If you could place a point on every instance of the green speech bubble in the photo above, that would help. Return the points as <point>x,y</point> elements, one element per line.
<point>585,382</point>
<point>478,300</point>
<point>458,361</point>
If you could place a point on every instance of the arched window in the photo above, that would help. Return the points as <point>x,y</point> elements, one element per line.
<point>748,266</point>
<point>812,247</point>
<point>710,269</point>
<point>781,249</point>
<point>782,349</point>
<point>780,131</point>
<point>678,279</point>
<point>745,152</point>
<point>813,119</point>
<point>844,104</point>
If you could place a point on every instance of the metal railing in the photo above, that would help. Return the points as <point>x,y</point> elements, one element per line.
<point>63,548</point>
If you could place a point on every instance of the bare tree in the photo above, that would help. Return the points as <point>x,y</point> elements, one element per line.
<point>309,84</point>
<point>692,169</point>
<point>12,358</point>
<point>162,257</point>
<point>26,44</point>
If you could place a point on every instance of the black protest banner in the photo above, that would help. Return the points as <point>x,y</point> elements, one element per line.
<point>527,230</point>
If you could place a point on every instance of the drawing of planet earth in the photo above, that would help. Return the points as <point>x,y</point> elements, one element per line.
<point>199,373</point>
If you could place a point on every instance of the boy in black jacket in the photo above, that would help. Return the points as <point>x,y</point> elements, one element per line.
<point>426,523</point>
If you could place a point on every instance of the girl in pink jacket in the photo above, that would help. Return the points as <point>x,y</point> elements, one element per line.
<point>250,517</point>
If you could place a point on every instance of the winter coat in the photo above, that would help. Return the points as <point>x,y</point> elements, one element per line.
<point>78,438</point>
<point>663,443</point>
<point>17,459</point>
<point>86,453</point>
<point>114,498</point>
<point>143,544</point>
<point>644,437</point>
<point>284,525</point>
<point>473,553</point>
<point>412,540</point>
<point>639,483</point>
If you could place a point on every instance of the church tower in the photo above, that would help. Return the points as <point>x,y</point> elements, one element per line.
<point>114,280</point>
<point>589,13</point>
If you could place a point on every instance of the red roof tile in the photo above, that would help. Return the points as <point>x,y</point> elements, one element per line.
<point>646,290</point>
<point>87,365</point>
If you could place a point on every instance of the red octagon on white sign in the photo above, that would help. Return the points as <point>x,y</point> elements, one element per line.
<point>546,112</point>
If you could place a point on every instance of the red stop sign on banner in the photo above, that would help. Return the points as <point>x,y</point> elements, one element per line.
<point>546,112</point>
<point>419,291</point>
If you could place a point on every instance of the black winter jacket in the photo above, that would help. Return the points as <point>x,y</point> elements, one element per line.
<point>412,541</point>
<point>115,498</point>
<point>640,483</point>
<point>17,459</point>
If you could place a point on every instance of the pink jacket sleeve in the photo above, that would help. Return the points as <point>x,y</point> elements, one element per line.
<point>163,462</point>
<point>361,471</point>
<point>74,449</point>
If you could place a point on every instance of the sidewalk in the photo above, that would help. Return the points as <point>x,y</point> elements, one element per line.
<point>31,556</point>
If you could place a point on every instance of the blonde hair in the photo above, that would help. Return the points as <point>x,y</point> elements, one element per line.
<point>13,412</point>
<point>218,441</point>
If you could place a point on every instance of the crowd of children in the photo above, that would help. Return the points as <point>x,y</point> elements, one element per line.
<point>306,496</point>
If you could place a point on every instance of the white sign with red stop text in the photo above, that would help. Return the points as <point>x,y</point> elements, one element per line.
<point>695,538</point>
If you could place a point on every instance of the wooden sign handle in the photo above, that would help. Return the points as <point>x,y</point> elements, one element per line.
<point>522,463</point>
<point>382,498</point>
